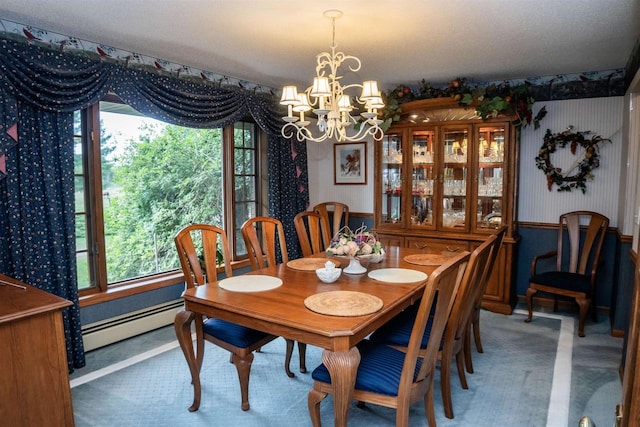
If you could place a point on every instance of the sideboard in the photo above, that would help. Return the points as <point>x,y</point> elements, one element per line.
<point>34,379</point>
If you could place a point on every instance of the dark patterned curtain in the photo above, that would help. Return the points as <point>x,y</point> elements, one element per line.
<point>39,89</point>
<point>288,177</point>
<point>288,187</point>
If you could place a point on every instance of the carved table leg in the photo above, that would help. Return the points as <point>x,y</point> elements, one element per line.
<point>182,325</point>
<point>343,367</point>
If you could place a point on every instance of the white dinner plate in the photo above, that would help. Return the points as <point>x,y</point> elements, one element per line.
<point>250,283</point>
<point>397,275</point>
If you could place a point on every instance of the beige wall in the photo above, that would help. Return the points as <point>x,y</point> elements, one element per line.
<point>321,188</point>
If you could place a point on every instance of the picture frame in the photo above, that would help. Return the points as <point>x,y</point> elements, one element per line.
<point>350,163</point>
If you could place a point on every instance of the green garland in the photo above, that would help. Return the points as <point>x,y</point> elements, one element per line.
<point>585,166</point>
<point>489,101</point>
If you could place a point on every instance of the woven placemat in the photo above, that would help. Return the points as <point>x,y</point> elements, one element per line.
<point>311,264</point>
<point>427,259</point>
<point>343,303</point>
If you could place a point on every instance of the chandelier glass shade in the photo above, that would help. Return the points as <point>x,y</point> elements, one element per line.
<point>336,116</point>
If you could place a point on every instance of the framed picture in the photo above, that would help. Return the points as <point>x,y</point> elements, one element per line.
<point>350,163</point>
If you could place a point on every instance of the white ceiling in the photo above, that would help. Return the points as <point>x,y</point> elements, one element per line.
<point>273,42</point>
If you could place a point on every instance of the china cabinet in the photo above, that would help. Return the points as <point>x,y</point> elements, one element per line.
<point>445,179</point>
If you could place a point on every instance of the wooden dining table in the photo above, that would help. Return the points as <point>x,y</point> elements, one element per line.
<point>282,312</point>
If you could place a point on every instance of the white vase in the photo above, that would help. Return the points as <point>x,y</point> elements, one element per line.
<point>354,267</point>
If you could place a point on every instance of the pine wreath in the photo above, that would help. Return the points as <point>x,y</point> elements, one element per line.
<point>590,161</point>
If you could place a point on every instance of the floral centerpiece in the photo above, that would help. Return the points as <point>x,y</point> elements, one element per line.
<point>356,245</point>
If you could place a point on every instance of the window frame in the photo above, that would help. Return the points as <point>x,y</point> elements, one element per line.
<point>100,290</point>
<point>230,184</point>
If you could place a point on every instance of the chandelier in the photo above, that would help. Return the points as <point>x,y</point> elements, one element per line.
<point>331,104</point>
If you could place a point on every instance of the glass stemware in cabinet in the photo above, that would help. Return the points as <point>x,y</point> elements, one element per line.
<point>490,172</point>
<point>392,178</point>
<point>454,178</point>
<point>422,178</point>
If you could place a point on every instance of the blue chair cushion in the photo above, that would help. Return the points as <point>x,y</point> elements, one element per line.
<point>563,280</point>
<point>379,370</point>
<point>234,334</point>
<point>397,331</point>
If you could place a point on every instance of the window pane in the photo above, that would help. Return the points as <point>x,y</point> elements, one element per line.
<point>245,189</point>
<point>81,233</point>
<point>156,178</point>
<point>244,135</point>
<point>239,162</point>
<point>77,155</point>
<point>84,281</point>
<point>245,163</point>
<point>79,193</point>
<point>241,249</point>
<point>243,212</point>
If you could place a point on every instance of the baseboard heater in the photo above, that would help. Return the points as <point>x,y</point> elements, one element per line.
<point>118,328</point>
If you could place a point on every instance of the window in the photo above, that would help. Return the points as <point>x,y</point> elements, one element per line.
<point>245,191</point>
<point>139,181</point>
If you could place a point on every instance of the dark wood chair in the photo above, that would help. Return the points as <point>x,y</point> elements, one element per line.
<point>397,331</point>
<point>198,247</point>
<point>312,231</point>
<point>474,325</point>
<point>335,214</point>
<point>577,261</point>
<point>393,378</point>
<point>263,251</point>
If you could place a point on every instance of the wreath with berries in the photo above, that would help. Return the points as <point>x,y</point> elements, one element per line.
<point>584,167</point>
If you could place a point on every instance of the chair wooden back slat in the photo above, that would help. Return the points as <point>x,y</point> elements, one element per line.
<point>340,217</point>
<point>581,255</point>
<point>211,239</point>
<point>309,228</point>
<point>273,241</point>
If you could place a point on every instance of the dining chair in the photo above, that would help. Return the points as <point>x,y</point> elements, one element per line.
<point>198,247</point>
<point>397,331</point>
<point>266,248</point>
<point>312,231</point>
<point>389,377</point>
<point>339,213</point>
<point>474,325</point>
<point>576,267</point>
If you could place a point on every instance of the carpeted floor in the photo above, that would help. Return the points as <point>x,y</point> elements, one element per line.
<point>536,374</point>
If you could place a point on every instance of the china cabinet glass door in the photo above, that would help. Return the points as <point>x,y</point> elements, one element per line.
<point>490,184</point>
<point>455,149</point>
<point>392,178</point>
<point>423,178</point>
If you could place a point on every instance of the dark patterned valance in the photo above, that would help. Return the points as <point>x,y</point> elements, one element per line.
<point>40,88</point>
<point>62,82</point>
